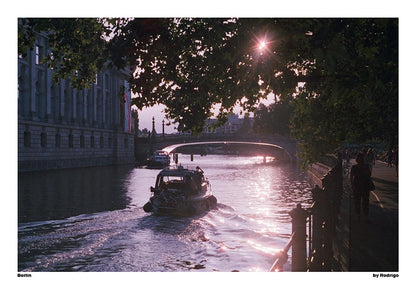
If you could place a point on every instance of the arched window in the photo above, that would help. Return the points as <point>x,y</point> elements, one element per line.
<point>57,140</point>
<point>70,141</point>
<point>43,140</point>
<point>26,139</point>
<point>82,141</point>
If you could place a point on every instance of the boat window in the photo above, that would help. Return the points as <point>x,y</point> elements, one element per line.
<point>174,182</point>
<point>173,179</point>
<point>169,179</point>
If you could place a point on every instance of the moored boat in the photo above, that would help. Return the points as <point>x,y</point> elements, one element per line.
<point>180,191</point>
<point>159,158</point>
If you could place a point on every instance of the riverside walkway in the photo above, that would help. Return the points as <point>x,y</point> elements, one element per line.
<point>374,246</point>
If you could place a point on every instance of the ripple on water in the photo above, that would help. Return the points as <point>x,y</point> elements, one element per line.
<point>249,225</point>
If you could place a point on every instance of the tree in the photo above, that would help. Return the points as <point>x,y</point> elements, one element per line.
<point>262,123</point>
<point>352,93</point>
<point>341,73</point>
<point>275,118</point>
<point>77,46</point>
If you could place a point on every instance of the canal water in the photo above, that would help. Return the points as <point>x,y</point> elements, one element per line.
<point>92,219</point>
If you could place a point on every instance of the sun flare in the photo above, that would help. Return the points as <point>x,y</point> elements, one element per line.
<point>262,45</point>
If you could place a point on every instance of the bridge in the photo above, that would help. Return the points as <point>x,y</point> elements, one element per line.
<point>270,145</point>
<point>263,148</point>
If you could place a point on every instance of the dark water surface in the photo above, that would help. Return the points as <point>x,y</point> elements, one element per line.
<point>92,219</point>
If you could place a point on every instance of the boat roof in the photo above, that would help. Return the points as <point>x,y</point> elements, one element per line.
<point>179,171</point>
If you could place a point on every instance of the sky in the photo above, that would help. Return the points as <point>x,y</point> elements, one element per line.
<point>147,113</point>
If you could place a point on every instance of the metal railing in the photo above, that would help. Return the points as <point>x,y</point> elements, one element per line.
<point>313,229</point>
<point>282,257</point>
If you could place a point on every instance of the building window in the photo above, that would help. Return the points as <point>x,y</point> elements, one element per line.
<point>52,58</point>
<point>82,141</point>
<point>70,141</point>
<point>43,140</point>
<point>57,140</point>
<point>92,141</point>
<point>99,80</point>
<point>107,81</point>
<point>110,142</point>
<point>38,54</point>
<point>101,141</point>
<point>26,139</point>
<point>126,142</point>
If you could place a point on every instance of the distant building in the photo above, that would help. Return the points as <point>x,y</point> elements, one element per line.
<point>61,127</point>
<point>233,125</point>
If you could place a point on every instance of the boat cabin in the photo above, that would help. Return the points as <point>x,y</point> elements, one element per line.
<point>179,179</point>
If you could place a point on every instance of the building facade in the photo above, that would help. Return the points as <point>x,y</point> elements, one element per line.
<point>233,125</point>
<point>61,127</point>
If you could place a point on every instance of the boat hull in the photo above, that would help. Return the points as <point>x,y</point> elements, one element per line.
<point>183,208</point>
<point>157,163</point>
<point>180,191</point>
<point>158,159</point>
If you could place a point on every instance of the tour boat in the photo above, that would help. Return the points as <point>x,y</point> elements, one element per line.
<point>181,191</point>
<point>159,158</point>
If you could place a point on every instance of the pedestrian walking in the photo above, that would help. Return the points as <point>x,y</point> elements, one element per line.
<point>371,159</point>
<point>389,157</point>
<point>361,185</point>
<point>347,160</point>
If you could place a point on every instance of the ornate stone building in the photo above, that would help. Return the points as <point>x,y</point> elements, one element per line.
<point>233,125</point>
<point>61,127</point>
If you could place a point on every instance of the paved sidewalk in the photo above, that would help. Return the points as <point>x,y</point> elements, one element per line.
<point>375,246</point>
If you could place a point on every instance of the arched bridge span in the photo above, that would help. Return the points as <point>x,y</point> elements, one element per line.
<point>281,152</point>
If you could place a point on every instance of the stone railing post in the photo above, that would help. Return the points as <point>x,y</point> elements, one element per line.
<point>299,216</point>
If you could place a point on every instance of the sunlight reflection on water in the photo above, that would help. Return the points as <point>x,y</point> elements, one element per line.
<point>250,225</point>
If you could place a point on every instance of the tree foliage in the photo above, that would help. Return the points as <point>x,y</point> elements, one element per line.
<point>275,118</point>
<point>341,74</point>
<point>77,46</point>
<point>352,94</point>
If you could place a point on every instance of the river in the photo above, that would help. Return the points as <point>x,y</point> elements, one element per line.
<point>91,219</point>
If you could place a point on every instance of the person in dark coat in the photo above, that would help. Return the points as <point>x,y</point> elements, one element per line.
<point>360,177</point>
<point>389,157</point>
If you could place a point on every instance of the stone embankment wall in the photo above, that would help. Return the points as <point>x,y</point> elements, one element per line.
<point>43,146</point>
